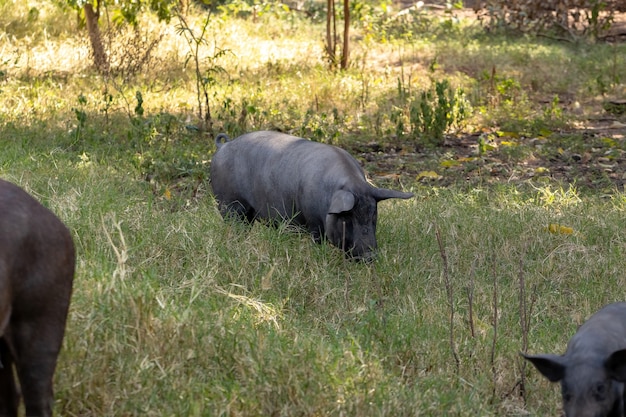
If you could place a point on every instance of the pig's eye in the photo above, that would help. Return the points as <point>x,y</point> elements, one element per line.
<point>599,391</point>
<point>567,397</point>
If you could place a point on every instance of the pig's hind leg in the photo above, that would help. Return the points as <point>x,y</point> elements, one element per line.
<point>37,331</point>
<point>38,342</point>
<point>9,396</point>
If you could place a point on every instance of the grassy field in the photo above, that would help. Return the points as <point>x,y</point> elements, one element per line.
<point>176,313</point>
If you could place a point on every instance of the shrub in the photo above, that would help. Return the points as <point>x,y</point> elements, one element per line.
<point>432,113</point>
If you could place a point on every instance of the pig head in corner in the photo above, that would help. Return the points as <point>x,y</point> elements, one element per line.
<point>278,177</point>
<point>36,273</point>
<point>592,371</point>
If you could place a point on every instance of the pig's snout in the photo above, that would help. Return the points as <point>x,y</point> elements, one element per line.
<point>358,243</point>
<point>362,253</point>
<point>366,257</point>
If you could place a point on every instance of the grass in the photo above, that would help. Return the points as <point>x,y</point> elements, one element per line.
<point>176,312</point>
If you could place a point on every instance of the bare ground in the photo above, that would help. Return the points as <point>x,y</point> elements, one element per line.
<point>592,158</point>
<point>591,155</point>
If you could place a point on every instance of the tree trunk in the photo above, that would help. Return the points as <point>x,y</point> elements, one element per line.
<point>345,54</point>
<point>100,58</point>
<point>331,32</point>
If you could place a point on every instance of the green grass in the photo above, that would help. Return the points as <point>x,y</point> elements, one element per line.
<point>177,313</point>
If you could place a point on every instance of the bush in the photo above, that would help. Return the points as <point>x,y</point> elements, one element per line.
<point>429,114</point>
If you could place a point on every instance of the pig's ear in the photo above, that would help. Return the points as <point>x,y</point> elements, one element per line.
<point>383,194</point>
<point>616,365</point>
<point>550,366</point>
<point>341,202</point>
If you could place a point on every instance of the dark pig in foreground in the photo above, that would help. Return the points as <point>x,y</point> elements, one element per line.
<point>36,273</point>
<point>592,371</point>
<point>277,177</point>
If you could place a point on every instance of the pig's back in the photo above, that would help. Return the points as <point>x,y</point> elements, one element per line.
<point>273,168</point>
<point>603,333</point>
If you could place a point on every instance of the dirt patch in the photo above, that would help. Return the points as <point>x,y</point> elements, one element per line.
<point>592,158</point>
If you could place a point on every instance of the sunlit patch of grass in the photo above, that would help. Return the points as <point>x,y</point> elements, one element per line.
<point>278,79</point>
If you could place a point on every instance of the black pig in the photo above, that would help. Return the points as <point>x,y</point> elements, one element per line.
<point>592,371</point>
<point>36,272</point>
<point>275,176</point>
